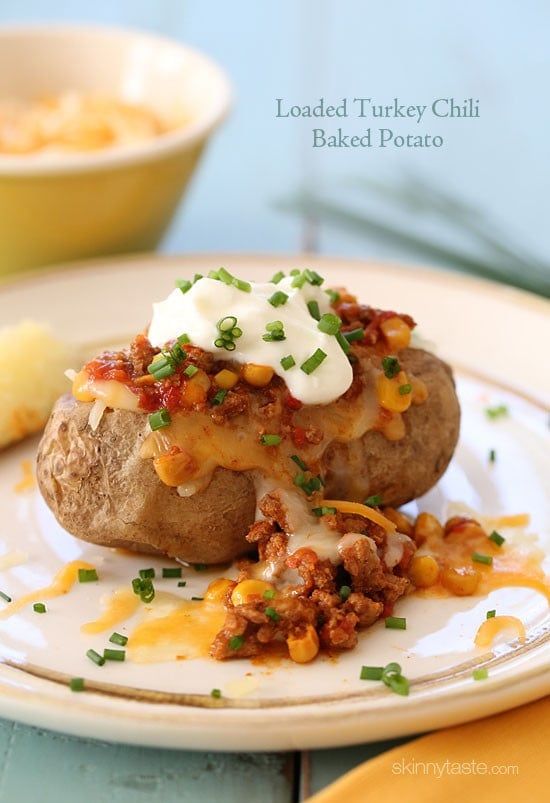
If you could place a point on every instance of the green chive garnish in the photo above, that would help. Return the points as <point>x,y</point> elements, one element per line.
<point>95,657</point>
<point>39,607</point>
<point>477,557</point>
<point>344,592</point>
<point>200,567</point>
<point>313,277</point>
<point>270,440</point>
<point>491,614</point>
<point>182,583</point>
<point>500,411</point>
<point>299,279</point>
<point>184,285</point>
<point>323,511</point>
<point>118,638</point>
<point>144,588</point>
<point>160,419</point>
<point>216,694</point>
<point>398,684</point>
<point>274,332</point>
<point>76,684</point>
<point>5,597</point>
<point>299,462</point>
<point>343,343</point>
<point>240,284</point>
<point>87,576</point>
<point>183,339</point>
<point>373,501</point>
<point>288,362</point>
<point>333,295</point>
<point>313,362</point>
<point>497,538</point>
<point>190,371</point>
<point>114,655</point>
<point>226,324</point>
<point>371,673</point>
<point>172,571</point>
<point>236,642</point>
<point>480,674</point>
<point>492,456</point>
<point>276,278</point>
<point>197,599</point>
<point>144,573</point>
<point>354,334</point>
<point>396,623</point>
<point>278,299</point>
<point>329,324</point>
<point>219,397</point>
<point>390,366</point>
<point>314,310</point>
<point>272,614</point>
<point>269,593</point>
<point>404,390</point>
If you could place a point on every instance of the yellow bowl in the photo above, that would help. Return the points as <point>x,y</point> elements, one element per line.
<point>64,206</point>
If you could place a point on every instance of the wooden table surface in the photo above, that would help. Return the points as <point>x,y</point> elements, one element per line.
<point>299,51</point>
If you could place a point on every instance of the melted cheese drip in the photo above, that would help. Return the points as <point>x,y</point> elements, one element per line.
<point>61,584</point>
<point>174,629</point>
<point>119,606</point>
<point>505,627</point>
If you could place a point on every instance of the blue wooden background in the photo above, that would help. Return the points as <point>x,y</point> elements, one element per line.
<point>495,50</point>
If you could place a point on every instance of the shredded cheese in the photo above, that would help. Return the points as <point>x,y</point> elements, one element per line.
<point>361,510</point>
<point>491,628</point>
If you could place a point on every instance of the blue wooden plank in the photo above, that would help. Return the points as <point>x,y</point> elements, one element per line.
<point>50,767</point>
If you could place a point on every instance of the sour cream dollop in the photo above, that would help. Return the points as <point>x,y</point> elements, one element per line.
<point>197,312</point>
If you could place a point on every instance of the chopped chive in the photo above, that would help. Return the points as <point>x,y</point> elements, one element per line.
<point>236,642</point>
<point>182,583</point>
<point>323,511</point>
<point>354,334</point>
<point>224,276</point>
<point>288,362</point>
<point>184,285</point>
<point>313,277</point>
<point>329,324</point>
<point>299,462</point>
<point>95,657</point>
<point>398,684</point>
<point>39,607</point>
<point>477,557</point>
<point>197,599</point>
<point>200,567</point>
<point>308,486</point>
<point>226,324</point>
<point>270,440</point>
<point>240,284</point>
<point>145,573</point>
<point>183,339</point>
<point>276,278</point>
<point>190,371</point>
<point>333,295</point>
<point>196,277</point>
<point>295,272</point>
<point>480,674</point>
<point>390,366</point>
<point>216,694</point>
<point>172,571</point>
<point>404,390</point>
<point>219,397</point>
<point>313,362</point>
<point>497,538</point>
<point>371,673</point>
<point>5,597</point>
<point>299,280</point>
<point>393,668</point>
<point>269,593</point>
<point>373,501</point>
<point>160,419</point>
<point>492,456</point>
<point>396,623</point>
<point>114,655</point>
<point>278,299</point>
<point>274,331</point>
<point>87,576</point>
<point>118,638</point>
<point>163,372</point>
<point>144,589</point>
<point>76,684</point>
<point>491,614</point>
<point>500,411</point>
<point>272,614</point>
<point>314,310</point>
<point>343,343</point>
<point>214,274</point>
<point>344,592</point>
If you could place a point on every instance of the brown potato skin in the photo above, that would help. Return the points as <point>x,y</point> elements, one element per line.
<point>102,491</point>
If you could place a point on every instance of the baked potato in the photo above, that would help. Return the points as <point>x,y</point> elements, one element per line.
<point>101,489</point>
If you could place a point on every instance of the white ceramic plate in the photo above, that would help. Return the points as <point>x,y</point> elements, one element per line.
<point>494,336</point>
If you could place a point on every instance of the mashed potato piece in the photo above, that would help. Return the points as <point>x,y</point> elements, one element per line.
<point>32,365</point>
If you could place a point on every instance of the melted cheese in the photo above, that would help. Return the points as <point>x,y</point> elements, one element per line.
<point>120,605</point>
<point>61,584</point>
<point>506,627</point>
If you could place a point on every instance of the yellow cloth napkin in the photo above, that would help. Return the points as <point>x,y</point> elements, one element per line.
<point>514,747</point>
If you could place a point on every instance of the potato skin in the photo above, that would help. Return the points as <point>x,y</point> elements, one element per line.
<point>102,491</point>
<point>400,471</point>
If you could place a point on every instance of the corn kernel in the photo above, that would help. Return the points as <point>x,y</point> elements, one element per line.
<point>403,524</point>
<point>426,526</point>
<point>80,387</point>
<point>462,581</point>
<point>424,571</point>
<point>257,375</point>
<point>388,393</point>
<point>175,467</point>
<point>218,589</point>
<point>226,379</point>
<point>305,647</point>
<point>195,389</point>
<point>396,332</point>
<point>419,390</point>
<point>247,590</point>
